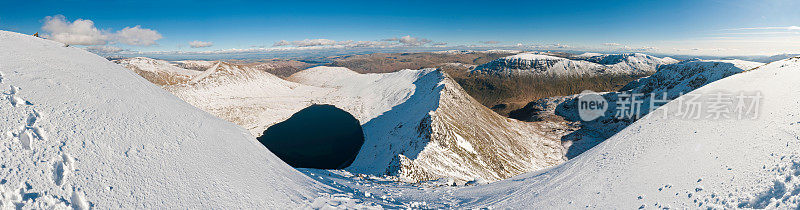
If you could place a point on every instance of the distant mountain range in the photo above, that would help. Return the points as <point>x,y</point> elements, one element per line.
<point>573,65</point>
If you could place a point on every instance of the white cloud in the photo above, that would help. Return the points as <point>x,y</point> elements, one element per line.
<point>79,32</point>
<point>791,28</point>
<point>405,41</point>
<point>413,41</point>
<point>312,43</point>
<point>282,43</point>
<point>103,49</point>
<point>490,42</point>
<point>558,46</point>
<point>199,44</point>
<point>137,36</point>
<point>84,32</point>
<point>409,41</point>
<point>612,44</point>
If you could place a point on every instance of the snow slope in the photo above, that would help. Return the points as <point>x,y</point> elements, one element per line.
<point>672,162</point>
<point>534,63</point>
<point>668,83</point>
<point>630,62</point>
<point>198,65</point>
<point>250,98</point>
<point>82,132</point>
<point>657,162</point>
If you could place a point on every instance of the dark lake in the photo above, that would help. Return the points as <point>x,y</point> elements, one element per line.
<point>319,136</point>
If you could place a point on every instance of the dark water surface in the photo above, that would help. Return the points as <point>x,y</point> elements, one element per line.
<point>319,136</point>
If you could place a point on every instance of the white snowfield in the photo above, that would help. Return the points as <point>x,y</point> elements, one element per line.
<point>81,132</point>
<point>588,64</point>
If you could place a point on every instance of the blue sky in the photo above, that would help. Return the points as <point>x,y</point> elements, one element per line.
<point>733,27</point>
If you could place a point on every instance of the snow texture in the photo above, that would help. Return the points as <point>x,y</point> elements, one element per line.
<point>87,133</point>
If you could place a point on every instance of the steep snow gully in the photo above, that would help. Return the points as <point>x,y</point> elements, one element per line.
<point>81,132</point>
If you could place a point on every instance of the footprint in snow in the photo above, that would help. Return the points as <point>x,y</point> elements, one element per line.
<point>30,133</point>
<point>14,99</point>
<point>62,168</point>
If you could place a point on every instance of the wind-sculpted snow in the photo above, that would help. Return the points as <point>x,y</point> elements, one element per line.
<point>87,133</point>
<point>578,65</point>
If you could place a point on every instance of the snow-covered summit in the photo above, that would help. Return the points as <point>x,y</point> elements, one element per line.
<point>159,72</point>
<point>198,65</point>
<point>636,59</point>
<point>688,75</point>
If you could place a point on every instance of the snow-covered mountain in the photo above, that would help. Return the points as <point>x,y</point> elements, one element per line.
<point>628,62</point>
<point>198,65</point>
<point>251,98</point>
<point>82,132</point>
<point>157,71</point>
<point>535,63</point>
<point>668,83</point>
<point>418,124</point>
